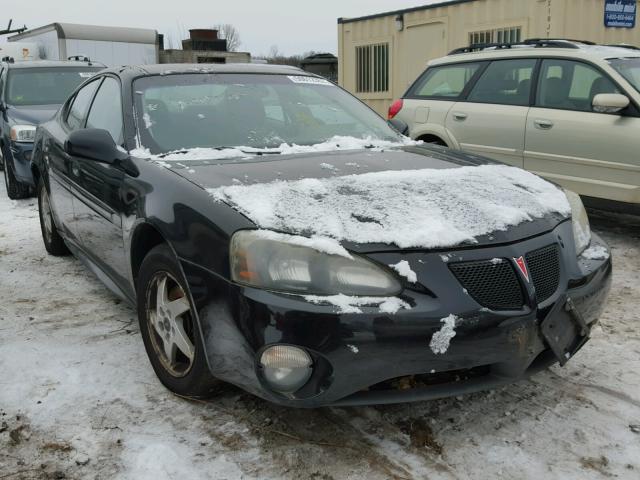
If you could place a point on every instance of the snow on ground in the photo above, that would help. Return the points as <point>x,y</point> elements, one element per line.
<point>409,208</point>
<point>78,398</point>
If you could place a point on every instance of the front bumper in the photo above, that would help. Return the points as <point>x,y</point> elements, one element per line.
<point>372,357</point>
<point>20,158</point>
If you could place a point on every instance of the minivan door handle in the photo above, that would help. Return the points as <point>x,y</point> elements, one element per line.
<point>459,116</point>
<point>543,124</point>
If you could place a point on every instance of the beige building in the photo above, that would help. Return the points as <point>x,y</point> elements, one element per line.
<point>381,55</point>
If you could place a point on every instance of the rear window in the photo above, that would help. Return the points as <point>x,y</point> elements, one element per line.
<point>447,81</point>
<point>44,86</point>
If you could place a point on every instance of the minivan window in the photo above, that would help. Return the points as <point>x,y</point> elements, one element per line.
<point>505,82</point>
<point>106,110</point>
<point>44,86</point>
<point>447,81</point>
<point>570,85</point>
<point>80,105</point>
<point>629,68</point>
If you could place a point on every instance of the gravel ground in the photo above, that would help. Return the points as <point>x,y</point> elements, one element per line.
<point>78,398</point>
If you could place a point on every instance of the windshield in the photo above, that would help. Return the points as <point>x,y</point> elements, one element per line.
<point>44,86</point>
<point>629,68</point>
<point>178,112</point>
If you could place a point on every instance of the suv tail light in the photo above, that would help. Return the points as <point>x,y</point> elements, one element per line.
<point>395,108</point>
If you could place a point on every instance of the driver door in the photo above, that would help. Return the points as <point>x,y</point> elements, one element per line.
<point>99,204</point>
<point>594,154</point>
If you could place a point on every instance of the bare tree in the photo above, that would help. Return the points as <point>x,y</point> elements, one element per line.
<point>230,34</point>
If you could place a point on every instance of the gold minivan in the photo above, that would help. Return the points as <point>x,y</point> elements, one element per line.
<point>566,110</point>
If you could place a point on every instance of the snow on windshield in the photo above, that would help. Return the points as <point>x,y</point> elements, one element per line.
<point>333,144</point>
<point>413,208</point>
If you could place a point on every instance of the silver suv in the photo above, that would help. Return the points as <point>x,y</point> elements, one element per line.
<point>566,110</point>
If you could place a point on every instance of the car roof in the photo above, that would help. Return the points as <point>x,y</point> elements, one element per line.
<point>576,50</point>
<point>182,68</point>
<point>51,63</point>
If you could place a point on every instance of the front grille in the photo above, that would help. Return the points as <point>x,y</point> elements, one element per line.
<point>493,284</point>
<point>544,268</point>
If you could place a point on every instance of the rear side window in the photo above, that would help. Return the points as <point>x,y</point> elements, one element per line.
<point>505,82</point>
<point>80,105</point>
<point>447,81</point>
<point>106,110</point>
<point>570,85</point>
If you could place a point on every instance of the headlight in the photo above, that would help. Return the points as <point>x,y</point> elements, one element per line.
<point>23,133</point>
<point>275,262</point>
<point>580,221</point>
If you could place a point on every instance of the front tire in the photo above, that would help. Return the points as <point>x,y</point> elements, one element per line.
<point>169,327</point>
<point>53,242</point>
<point>15,189</point>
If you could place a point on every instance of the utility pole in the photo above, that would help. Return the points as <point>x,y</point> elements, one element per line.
<point>8,30</point>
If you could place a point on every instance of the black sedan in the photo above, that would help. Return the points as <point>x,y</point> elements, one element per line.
<point>276,234</point>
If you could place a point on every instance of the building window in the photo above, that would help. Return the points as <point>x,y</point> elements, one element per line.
<point>498,35</point>
<point>372,68</point>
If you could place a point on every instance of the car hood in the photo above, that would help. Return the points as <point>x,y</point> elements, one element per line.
<point>415,197</point>
<point>31,115</point>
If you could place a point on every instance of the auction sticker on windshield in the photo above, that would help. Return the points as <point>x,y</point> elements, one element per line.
<point>308,80</point>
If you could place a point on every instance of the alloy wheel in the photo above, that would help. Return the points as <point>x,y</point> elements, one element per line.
<point>170,324</point>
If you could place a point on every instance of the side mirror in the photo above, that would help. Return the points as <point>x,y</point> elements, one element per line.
<point>399,126</point>
<point>94,144</point>
<point>610,103</point>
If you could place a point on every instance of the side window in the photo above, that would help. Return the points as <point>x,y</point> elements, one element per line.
<point>80,104</point>
<point>106,110</point>
<point>505,82</point>
<point>447,81</point>
<point>570,85</point>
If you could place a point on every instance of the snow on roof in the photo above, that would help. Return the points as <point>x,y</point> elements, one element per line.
<point>413,208</point>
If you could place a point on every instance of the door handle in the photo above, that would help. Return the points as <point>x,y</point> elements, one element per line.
<point>543,124</point>
<point>459,116</point>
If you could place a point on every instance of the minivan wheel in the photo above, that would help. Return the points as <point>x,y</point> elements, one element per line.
<point>53,242</point>
<point>15,189</point>
<point>169,327</point>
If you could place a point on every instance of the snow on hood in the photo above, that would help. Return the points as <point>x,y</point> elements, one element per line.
<point>426,208</point>
<point>334,144</point>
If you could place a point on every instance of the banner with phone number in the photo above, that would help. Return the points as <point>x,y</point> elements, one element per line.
<point>620,13</point>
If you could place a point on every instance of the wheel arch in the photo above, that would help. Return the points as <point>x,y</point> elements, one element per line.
<point>35,171</point>
<point>432,138</point>
<point>145,237</point>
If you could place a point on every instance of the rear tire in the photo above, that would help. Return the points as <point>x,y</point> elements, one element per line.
<point>169,327</point>
<point>15,189</point>
<point>53,242</point>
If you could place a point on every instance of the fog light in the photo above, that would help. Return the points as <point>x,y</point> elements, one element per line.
<point>286,369</point>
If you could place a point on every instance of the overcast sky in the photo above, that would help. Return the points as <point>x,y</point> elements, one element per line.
<point>295,26</point>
